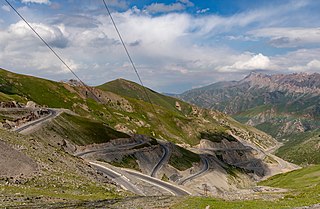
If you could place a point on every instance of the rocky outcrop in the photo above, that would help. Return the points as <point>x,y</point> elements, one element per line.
<point>10,104</point>
<point>20,114</point>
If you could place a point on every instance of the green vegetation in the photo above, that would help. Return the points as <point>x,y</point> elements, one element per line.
<point>83,131</point>
<point>216,136</point>
<point>302,148</point>
<point>41,91</point>
<point>124,106</point>
<point>269,127</point>
<point>127,161</point>
<point>165,178</point>
<point>132,90</point>
<point>303,190</point>
<point>183,159</point>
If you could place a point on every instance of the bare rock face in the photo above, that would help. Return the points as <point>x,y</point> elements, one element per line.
<point>11,104</point>
<point>178,106</point>
<point>31,104</point>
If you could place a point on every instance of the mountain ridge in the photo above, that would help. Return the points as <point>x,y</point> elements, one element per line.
<point>282,105</point>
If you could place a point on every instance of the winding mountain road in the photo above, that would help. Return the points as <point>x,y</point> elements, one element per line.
<point>165,157</point>
<point>173,189</point>
<point>118,178</point>
<point>112,148</point>
<point>123,179</point>
<point>24,127</point>
<point>204,169</point>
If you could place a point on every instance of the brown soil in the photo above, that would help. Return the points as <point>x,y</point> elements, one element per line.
<point>14,163</point>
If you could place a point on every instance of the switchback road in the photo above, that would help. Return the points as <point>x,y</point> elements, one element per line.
<point>165,157</point>
<point>204,169</point>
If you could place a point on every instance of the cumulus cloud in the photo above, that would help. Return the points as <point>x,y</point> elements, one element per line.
<point>52,34</point>
<point>25,51</point>
<point>179,50</point>
<point>256,62</point>
<point>312,66</point>
<point>37,1</point>
<point>289,37</point>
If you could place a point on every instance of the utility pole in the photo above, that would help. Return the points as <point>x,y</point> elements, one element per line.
<point>205,189</point>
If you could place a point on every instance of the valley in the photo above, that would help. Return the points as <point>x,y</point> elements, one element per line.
<point>284,106</point>
<point>81,151</point>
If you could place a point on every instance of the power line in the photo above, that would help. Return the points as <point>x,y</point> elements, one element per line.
<point>131,61</point>
<point>59,57</point>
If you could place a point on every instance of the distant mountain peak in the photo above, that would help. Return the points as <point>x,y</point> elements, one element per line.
<point>296,82</point>
<point>255,74</point>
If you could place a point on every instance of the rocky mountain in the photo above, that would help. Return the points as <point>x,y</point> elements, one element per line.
<point>260,89</point>
<point>282,105</point>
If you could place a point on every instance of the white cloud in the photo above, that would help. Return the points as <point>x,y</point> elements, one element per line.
<point>25,51</point>
<point>256,62</point>
<point>201,11</point>
<point>52,34</point>
<point>5,8</point>
<point>312,66</point>
<point>289,37</point>
<point>172,49</point>
<point>37,1</point>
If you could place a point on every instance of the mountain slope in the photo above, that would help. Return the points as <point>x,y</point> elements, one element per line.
<point>125,107</point>
<point>210,142</point>
<point>282,105</point>
<point>45,173</point>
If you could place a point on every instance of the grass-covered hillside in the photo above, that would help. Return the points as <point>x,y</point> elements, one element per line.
<point>123,105</point>
<point>303,189</point>
<point>302,148</point>
<point>82,131</point>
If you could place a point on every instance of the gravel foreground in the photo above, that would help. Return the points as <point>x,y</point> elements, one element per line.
<point>131,202</point>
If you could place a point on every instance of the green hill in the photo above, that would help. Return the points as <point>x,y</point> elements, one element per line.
<point>123,105</point>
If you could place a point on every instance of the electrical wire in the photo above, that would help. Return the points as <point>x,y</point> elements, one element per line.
<point>131,61</point>
<point>60,58</point>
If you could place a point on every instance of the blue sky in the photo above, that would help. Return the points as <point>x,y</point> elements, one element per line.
<point>176,45</point>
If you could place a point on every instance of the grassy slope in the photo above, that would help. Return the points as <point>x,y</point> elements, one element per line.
<point>132,90</point>
<point>84,131</point>
<point>41,91</point>
<point>303,185</point>
<point>304,144</point>
<point>180,122</point>
<point>183,159</point>
<point>302,148</point>
<point>170,123</point>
